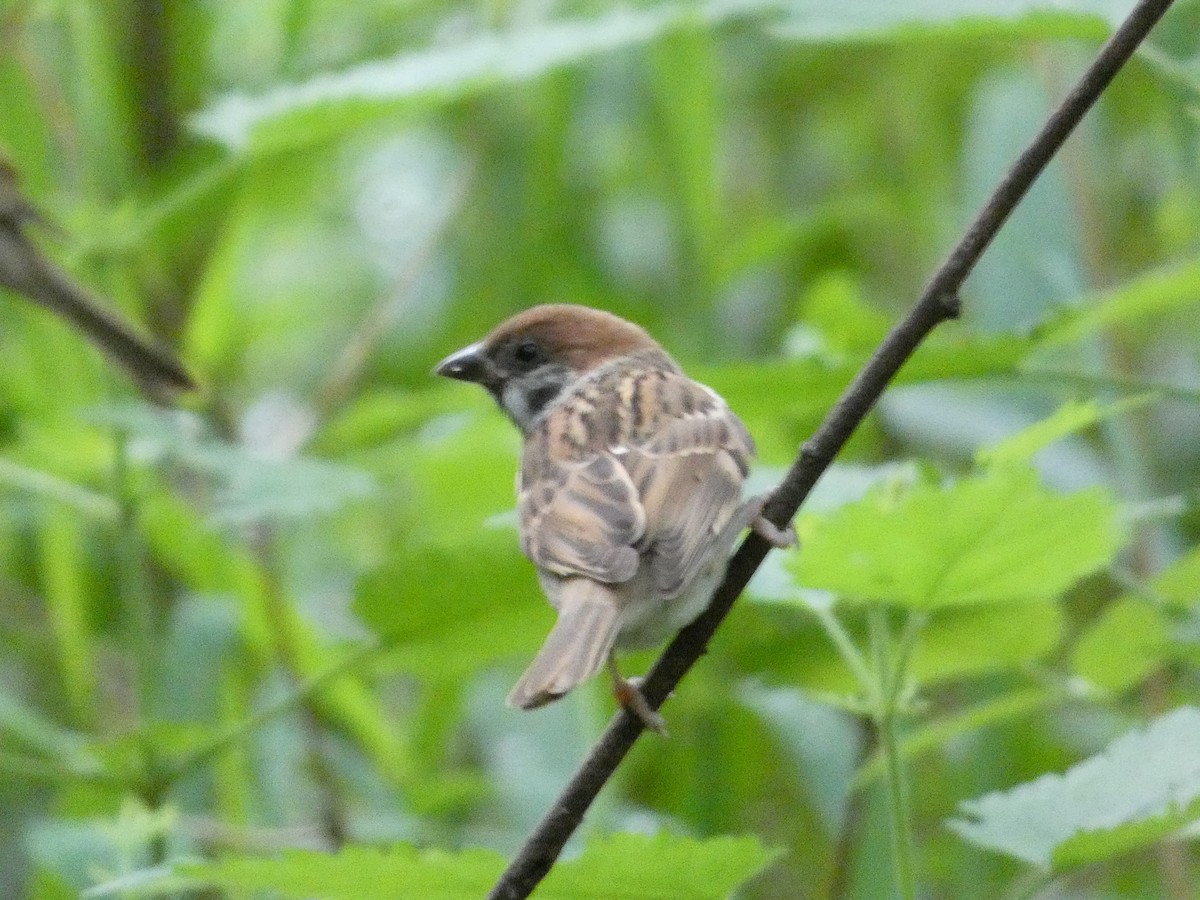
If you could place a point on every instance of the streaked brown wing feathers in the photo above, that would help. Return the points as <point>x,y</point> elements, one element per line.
<point>581,518</point>
<point>658,472</point>
<point>689,496</point>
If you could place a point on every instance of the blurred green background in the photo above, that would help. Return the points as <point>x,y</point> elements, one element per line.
<point>286,614</point>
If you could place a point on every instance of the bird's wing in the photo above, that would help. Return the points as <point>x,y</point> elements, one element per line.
<point>579,515</point>
<point>688,467</point>
<point>645,463</point>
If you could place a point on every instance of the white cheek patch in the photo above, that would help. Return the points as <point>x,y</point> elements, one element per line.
<point>515,403</point>
<point>526,397</point>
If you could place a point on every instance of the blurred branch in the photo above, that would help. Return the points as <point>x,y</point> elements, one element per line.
<point>27,271</point>
<point>938,302</point>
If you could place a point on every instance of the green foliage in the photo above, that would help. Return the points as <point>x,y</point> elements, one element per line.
<point>294,116</point>
<point>1122,646</point>
<point>663,867</point>
<point>1069,419</point>
<point>1143,787</point>
<point>357,872</point>
<point>998,537</point>
<point>284,615</point>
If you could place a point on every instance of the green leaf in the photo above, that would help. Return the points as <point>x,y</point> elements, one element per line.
<point>995,538</point>
<point>1141,788</point>
<point>378,415</point>
<point>641,867</point>
<point>1070,418</point>
<point>1154,294</point>
<point>827,21</point>
<point>298,115</point>
<point>1179,583</point>
<point>844,323</point>
<point>356,873</point>
<point>1123,646</point>
<point>633,866</point>
<point>964,641</point>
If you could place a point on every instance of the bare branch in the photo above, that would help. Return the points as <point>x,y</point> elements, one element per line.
<point>938,302</point>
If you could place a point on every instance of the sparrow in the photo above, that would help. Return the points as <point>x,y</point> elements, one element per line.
<point>629,492</point>
<point>25,270</point>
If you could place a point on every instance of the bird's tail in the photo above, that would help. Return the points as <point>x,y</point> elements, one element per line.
<point>577,647</point>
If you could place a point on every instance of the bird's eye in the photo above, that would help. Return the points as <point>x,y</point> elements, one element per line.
<point>527,352</point>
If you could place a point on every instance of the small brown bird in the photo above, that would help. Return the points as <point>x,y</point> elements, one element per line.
<point>24,269</point>
<point>629,491</point>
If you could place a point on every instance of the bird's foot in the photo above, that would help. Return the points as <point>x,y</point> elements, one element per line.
<point>629,695</point>
<point>780,538</point>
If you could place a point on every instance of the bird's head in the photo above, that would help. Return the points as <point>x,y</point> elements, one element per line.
<point>529,361</point>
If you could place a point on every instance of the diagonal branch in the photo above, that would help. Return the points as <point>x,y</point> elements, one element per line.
<point>938,302</point>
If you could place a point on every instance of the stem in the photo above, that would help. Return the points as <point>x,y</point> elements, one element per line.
<point>867,682</point>
<point>889,674</point>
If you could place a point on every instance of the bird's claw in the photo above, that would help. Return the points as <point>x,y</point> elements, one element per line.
<point>780,538</point>
<point>629,695</point>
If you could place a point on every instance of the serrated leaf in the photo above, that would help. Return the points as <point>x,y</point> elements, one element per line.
<point>964,641</point>
<point>356,873</point>
<point>247,486</point>
<point>1141,788</point>
<point>620,867</point>
<point>296,115</point>
<point>995,538</point>
<point>257,490</point>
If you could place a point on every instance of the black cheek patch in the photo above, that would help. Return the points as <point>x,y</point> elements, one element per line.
<point>541,396</point>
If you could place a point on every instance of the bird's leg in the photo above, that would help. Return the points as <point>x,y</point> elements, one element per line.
<point>630,697</point>
<point>780,538</point>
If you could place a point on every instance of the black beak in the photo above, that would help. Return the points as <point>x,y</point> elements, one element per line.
<point>467,364</point>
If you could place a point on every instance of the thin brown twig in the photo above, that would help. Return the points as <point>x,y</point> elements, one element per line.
<point>938,302</point>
